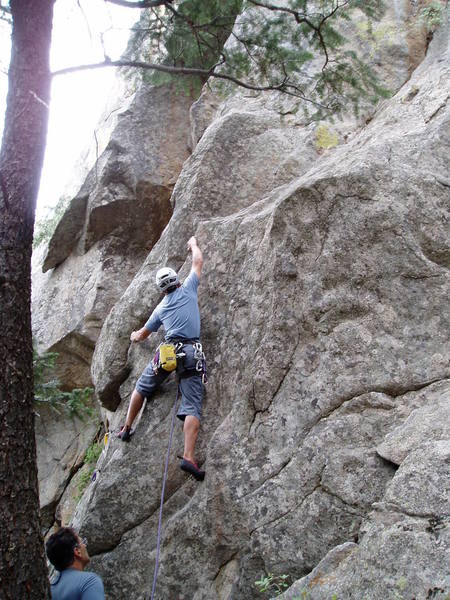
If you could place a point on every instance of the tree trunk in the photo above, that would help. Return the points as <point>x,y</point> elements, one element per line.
<point>23,571</point>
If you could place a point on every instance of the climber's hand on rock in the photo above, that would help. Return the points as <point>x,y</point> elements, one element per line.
<point>192,242</point>
<point>141,334</point>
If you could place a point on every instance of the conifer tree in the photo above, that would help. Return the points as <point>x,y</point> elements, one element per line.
<point>295,47</point>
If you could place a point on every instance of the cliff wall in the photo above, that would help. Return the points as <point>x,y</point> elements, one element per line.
<point>325,322</point>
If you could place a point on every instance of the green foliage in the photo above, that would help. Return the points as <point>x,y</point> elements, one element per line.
<point>91,457</point>
<point>83,482</point>
<point>45,228</point>
<point>375,36</point>
<point>432,16</point>
<point>190,34</point>
<point>296,48</point>
<point>93,453</point>
<point>276,584</point>
<point>47,390</point>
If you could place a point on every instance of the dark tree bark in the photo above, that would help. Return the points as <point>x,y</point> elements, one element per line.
<point>23,572</point>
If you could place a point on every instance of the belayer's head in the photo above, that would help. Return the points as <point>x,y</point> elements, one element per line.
<point>167,280</point>
<point>66,549</point>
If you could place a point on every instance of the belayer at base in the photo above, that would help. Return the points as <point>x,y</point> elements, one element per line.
<point>68,554</point>
<point>179,314</point>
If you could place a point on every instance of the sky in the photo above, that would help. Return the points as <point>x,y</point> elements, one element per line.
<point>78,99</point>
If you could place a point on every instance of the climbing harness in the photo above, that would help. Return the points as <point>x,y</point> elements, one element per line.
<point>166,467</point>
<point>169,353</point>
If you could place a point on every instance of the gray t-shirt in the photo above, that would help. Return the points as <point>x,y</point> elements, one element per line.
<point>72,584</point>
<point>178,311</point>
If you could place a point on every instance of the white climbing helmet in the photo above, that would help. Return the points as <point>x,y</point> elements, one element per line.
<point>166,278</point>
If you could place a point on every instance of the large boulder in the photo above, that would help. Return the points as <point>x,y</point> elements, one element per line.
<point>325,320</point>
<point>405,541</point>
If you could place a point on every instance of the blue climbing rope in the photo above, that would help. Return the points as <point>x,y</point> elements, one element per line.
<point>158,543</point>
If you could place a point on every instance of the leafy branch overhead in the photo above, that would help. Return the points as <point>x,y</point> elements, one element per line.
<point>295,47</point>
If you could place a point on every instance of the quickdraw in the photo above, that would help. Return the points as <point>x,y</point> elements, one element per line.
<point>200,365</point>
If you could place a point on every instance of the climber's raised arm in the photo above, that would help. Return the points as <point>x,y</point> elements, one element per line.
<point>197,256</point>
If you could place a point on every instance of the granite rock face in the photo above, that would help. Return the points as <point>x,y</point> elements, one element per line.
<point>99,244</point>
<point>325,320</point>
<point>62,443</point>
<point>111,224</point>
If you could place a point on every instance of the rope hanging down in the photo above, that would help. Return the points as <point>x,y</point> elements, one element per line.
<point>158,543</point>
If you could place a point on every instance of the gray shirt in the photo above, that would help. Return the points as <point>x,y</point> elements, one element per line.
<point>178,312</point>
<point>72,584</point>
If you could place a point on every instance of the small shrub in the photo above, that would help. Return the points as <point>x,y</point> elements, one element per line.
<point>83,482</point>
<point>276,584</point>
<point>93,453</point>
<point>90,458</point>
<point>45,228</point>
<point>432,16</point>
<point>47,390</point>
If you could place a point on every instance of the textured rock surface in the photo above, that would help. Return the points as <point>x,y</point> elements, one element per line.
<point>61,445</point>
<point>325,319</point>
<point>427,423</point>
<point>98,246</point>
<point>112,223</point>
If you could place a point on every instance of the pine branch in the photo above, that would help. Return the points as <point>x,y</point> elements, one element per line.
<point>299,17</point>
<point>303,18</point>
<point>215,22</point>
<point>285,86</point>
<point>245,46</point>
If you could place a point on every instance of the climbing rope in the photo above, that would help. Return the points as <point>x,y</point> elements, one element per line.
<point>158,543</point>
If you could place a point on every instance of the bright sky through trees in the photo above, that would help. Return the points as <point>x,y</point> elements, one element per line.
<point>78,99</point>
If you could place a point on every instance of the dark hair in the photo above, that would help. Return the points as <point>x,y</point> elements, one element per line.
<point>60,547</point>
<point>172,288</point>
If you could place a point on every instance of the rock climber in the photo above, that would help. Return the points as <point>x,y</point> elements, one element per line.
<point>68,554</point>
<point>179,314</point>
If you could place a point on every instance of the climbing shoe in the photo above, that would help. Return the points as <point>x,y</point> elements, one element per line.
<point>125,434</point>
<point>192,468</point>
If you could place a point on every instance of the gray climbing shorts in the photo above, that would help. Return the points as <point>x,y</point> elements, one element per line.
<point>191,388</point>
